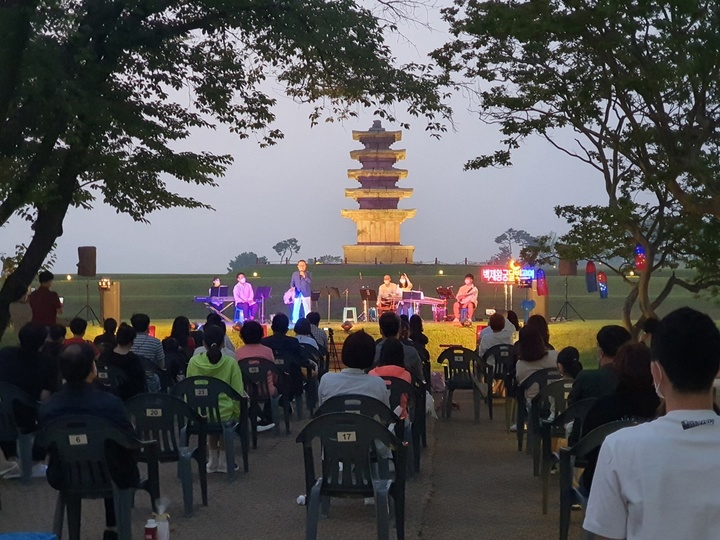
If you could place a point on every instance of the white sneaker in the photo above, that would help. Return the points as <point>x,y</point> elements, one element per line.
<point>222,464</point>
<point>7,466</point>
<point>39,470</point>
<point>456,319</point>
<point>212,463</point>
<point>267,427</point>
<point>513,428</point>
<point>13,472</point>
<point>369,501</point>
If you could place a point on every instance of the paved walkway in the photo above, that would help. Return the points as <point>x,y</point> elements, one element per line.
<point>473,484</point>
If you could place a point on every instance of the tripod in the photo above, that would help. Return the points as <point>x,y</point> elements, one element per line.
<point>87,307</point>
<point>333,359</point>
<point>563,313</point>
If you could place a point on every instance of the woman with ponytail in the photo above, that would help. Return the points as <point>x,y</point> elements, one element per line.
<point>213,363</point>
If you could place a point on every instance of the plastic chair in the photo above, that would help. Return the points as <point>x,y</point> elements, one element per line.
<point>574,457</point>
<point>549,402</point>
<point>151,371</point>
<point>502,359</point>
<point>165,418</point>
<point>398,389</point>
<point>310,384</point>
<point>255,374</point>
<point>575,413</point>
<point>203,394</point>
<point>359,404</point>
<point>10,398</point>
<point>541,378</point>
<point>347,441</point>
<point>110,378</point>
<point>458,364</point>
<point>349,314</point>
<point>78,443</point>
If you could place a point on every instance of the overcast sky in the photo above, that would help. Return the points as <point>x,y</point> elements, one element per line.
<point>296,189</point>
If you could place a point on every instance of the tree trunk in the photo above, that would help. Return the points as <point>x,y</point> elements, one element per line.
<point>630,300</point>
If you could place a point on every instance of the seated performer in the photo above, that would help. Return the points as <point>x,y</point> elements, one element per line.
<point>244,299</point>
<point>387,295</point>
<point>404,284</point>
<point>214,290</point>
<point>466,298</point>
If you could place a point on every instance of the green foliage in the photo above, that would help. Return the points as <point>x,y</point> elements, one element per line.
<point>286,248</point>
<point>329,259</point>
<point>507,241</point>
<point>245,259</point>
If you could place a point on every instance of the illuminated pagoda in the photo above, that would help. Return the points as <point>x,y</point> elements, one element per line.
<point>378,219</point>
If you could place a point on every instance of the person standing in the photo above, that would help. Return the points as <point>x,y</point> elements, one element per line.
<point>466,298</point>
<point>300,282</point>
<point>244,298</point>
<point>45,304</point>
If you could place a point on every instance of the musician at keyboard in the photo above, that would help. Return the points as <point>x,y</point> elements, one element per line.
<point>388,294</point>
<point>404,285</point>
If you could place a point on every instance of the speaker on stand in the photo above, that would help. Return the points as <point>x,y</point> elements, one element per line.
<point>567,267</point>
<point>87,257</point>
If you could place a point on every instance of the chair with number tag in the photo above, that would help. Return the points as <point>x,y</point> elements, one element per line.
<point>165,418</point>
<point>347,441</point>
<point>257,373</point>
<point>458,364</point>
<point>502,359</point>
<point>540,378</point>
<point>203,395</point>
<point>78,445</point>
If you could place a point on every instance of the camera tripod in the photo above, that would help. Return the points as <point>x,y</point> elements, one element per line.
<point>563,313</point>
<point>333,359</point>
<point>87,307</point>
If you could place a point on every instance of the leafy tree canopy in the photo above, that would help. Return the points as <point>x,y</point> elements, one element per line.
<point>245,259</point>
<point>286,248</point>
<point>94,96</point>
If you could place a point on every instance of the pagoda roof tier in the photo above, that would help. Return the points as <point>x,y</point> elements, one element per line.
<point>378,193</point>
<point>386,153</point>
<point>376,134</point>
<point>383,214</point>
<point>392,173</point>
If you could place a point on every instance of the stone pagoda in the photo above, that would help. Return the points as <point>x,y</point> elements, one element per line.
<point>378,219</point>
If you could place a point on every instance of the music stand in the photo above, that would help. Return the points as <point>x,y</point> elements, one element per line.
<point>445,293</point>
<point>331,292</point>
<point>368,295</point>
<point>261,293</point>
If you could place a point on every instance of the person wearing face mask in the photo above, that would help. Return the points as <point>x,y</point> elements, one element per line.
<point>300,283</point>
<point>387,295</point>
<point>404,284</point>
<point>466,298</point>
<point>659,479</point>
<point>595,383</point>
<point>244,299</point>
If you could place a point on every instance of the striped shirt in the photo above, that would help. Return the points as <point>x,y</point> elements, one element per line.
<point>149,347</point>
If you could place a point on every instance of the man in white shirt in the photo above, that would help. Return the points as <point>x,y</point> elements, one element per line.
<point>660,479</point>
<point>498,332</point>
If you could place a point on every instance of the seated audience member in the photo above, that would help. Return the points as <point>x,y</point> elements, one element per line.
<point>19,308</point>
<point>106,340</point>
<point>600,382</point>
<point>146,345</point>
<point>228,346</point>
<point>288,348</point>
<point>213,363</point>
<point>79,397</point>
<point>512,318</point>
<point>78,328</point>
<point>318,333</point>
<point>540,324</point>
<point>180,331</point>
<point>533,357</point>
<point>36,375</point>
<point>303,333</point>
<point>252,333</point>
<point>55,341</point>
<point>391,362</point>
<point>568,363</point>
<point>418,338</point>
<point>357,354</point>
<point>122,357</point>
<point>176,360</point>
<point>659,479</point>
<point>500,333</point>
<point>390,327</point>
<point>634,398</point>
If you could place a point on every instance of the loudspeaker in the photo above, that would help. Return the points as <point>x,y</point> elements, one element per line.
<point>86,261</point>
<point>567,267</point>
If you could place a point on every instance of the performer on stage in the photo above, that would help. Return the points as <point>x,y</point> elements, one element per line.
<point>404,284</point>
<point>300,281</point>
<point>244,299</point>
<point>215,287</point>
<point>466,297</point>
<point>387,294</point>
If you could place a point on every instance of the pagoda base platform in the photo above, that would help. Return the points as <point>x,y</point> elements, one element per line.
<point>381,254</point>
